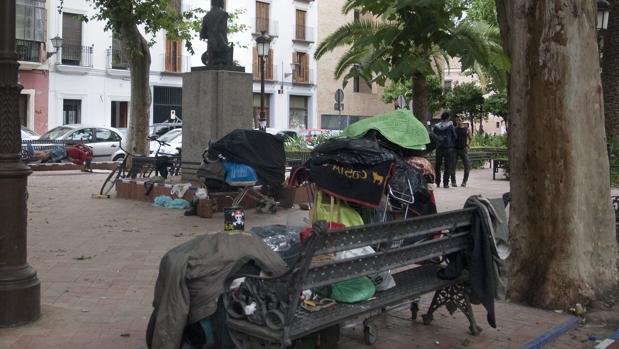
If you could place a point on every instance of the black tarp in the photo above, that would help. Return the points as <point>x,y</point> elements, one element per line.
<point>260,150</point>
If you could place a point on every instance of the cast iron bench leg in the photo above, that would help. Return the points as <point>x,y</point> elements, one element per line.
<point>414,309</point>
<point>369,332</point>
<point>453,297</point>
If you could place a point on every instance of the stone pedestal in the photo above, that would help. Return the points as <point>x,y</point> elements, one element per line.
<point>215,102</point>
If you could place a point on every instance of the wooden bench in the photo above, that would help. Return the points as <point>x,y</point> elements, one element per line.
<point>279,320</point>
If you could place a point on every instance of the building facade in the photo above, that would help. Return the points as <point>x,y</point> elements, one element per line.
<point>290,68</point>
<point>360,98</point>
<point>88,81</point>
<point>33,74</point>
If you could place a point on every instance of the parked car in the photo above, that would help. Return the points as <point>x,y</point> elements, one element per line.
<point>168,137</point>
<point>157,130</point>
<point>282,132</point>
<point>175,141</point>
<point>104,141</point>
<point>28,134</point>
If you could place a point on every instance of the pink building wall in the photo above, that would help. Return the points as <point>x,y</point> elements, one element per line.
<point>37,80</point>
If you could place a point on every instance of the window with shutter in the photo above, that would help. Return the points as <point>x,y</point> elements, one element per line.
<point>301,74</point>
<point>268,65</point>
<point>300,32</point>
<point>173,56</point>
<point>117,55</point>
<point>72,38</point>
<point>262,17</point>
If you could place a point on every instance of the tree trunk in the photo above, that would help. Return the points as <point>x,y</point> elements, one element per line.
<point>561,221</point>
<point>138,55</point>
<point>610,71</point>
<point>420,97</point>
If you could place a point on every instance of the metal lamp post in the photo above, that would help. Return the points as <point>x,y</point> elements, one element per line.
<point>20,289</point>
<point>603,10</point>
<point>263,43</point>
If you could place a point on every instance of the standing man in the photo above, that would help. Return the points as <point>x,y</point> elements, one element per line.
<point>463,140</point>
<point>446,135</point>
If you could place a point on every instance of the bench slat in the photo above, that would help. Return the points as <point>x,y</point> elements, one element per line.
<point>410,284</point>
<point>385,260</point>
<point>374,234</point>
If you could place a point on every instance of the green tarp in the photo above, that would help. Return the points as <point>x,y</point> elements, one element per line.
<point>400,127</point>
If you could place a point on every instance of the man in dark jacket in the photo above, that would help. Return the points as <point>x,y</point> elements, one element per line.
<point>445,148</point>
<point>461,151</point>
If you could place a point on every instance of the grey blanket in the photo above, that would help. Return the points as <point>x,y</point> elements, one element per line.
<point>192,277</point>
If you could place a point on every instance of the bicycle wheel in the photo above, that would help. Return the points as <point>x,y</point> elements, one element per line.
<point>110,181</point>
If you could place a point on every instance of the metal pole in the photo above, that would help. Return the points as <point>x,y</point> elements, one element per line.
<point>262,121</point>
<point>20,289</point>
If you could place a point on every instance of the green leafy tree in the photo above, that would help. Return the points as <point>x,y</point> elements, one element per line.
<point>482,10</point>
<point>436,100</point>
<point>497,104</point>
<point>467,100</point>
<point>409,41</point>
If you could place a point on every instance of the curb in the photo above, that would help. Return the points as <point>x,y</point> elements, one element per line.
<point>551,335</point>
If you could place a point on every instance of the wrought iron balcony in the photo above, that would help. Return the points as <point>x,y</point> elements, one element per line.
<point>174,64</point>
<point>304,34</point>
<point>76,55</point>
<point>116,59</point>
<point>303,76</point>
<point>263,24</point>
<point>28,51</point>
<point>270,72</point>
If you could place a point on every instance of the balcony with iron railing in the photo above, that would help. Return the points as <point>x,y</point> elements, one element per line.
<point>303,76</point>
<point>76,55</point>
<point>304,34</point>
<point>116,59</point>
<point>170,64</point>
<point>270,73</point>
<point>263,24</point>
<point>28,51</point>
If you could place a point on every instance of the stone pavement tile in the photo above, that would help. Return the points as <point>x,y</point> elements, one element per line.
<point>396,330</point>
<point>127,239</point>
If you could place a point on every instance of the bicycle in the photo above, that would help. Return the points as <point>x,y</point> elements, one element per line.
<point>160,163</point>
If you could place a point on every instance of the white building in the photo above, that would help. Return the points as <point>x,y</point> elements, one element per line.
<point>89,81</point>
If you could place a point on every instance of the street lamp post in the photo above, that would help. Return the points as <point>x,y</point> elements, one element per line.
<point>603,9</point>
<point>263,43</point>
<point>20,289</point>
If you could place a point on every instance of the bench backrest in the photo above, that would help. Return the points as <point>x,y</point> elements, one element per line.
<point>456,224</point>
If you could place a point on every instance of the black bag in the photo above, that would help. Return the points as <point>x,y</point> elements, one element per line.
<point>214,175</point>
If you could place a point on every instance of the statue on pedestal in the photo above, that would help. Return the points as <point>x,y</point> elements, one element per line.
<point>215,31</point>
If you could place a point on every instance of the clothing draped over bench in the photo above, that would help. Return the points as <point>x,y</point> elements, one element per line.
<point>490,248</point>
<point>192,277</point>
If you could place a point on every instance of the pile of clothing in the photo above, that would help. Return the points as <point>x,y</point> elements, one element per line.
<point>250,154</point>
<point>378,168</point>
<point>375,172</point>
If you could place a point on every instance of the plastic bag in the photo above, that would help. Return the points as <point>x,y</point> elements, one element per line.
<point>383,280</point>
<point>201,193</point>
<point>239,174</point>
<point>179,190</point>
<point>353,290</point>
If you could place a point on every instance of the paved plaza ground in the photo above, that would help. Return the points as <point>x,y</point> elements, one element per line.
<point>97,260</point>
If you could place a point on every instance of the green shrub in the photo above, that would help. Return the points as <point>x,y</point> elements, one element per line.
<point>488,140</point>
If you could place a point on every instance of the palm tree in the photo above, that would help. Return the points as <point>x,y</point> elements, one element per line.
<point>409,42</point>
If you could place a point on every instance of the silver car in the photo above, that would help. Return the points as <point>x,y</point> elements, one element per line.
<point>104,141</point>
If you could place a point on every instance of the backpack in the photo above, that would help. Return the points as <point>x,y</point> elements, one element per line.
<point>436,141</point>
